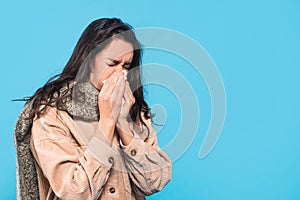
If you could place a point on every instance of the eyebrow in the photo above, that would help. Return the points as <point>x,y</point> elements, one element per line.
<point>118,61</point>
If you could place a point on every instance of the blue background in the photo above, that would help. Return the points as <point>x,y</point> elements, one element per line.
<point>255,45</point>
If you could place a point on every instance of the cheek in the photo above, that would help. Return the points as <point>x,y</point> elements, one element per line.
<point>107,72</point>
<point>101,72</point>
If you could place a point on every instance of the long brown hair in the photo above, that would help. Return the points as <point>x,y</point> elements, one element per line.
<point>95,37</point>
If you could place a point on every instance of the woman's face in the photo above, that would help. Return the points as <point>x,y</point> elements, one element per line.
<point>115,56</point>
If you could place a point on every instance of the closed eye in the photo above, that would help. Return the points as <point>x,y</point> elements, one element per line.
<point>112,65</point>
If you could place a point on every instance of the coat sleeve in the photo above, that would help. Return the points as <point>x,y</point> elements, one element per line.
<point>148,166</point>
<point>72,172</point>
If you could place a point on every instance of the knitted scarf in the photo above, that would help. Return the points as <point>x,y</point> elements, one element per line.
<point>84,106</point>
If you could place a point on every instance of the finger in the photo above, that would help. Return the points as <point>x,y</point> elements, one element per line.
<point>109,85</point>
<point>117,95</point>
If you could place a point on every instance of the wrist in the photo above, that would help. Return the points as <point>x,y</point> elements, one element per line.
<point>123,126</point>
<point>122,121</point>
<point>125,133</point>
<point>107,123</point>
<point>106,128</point>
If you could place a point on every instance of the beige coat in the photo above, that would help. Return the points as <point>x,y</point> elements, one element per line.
<point>73,164</point>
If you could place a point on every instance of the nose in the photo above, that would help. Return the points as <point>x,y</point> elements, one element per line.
<point>119,67</point>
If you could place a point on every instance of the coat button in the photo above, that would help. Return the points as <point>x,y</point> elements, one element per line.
<point>112,190</point>
<point>133,152</point>
<point>111,160</point>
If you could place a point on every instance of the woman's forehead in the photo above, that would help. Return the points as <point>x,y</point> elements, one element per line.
<point>119,49</point>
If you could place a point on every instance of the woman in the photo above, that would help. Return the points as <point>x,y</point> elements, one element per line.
<point>89,129</point>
